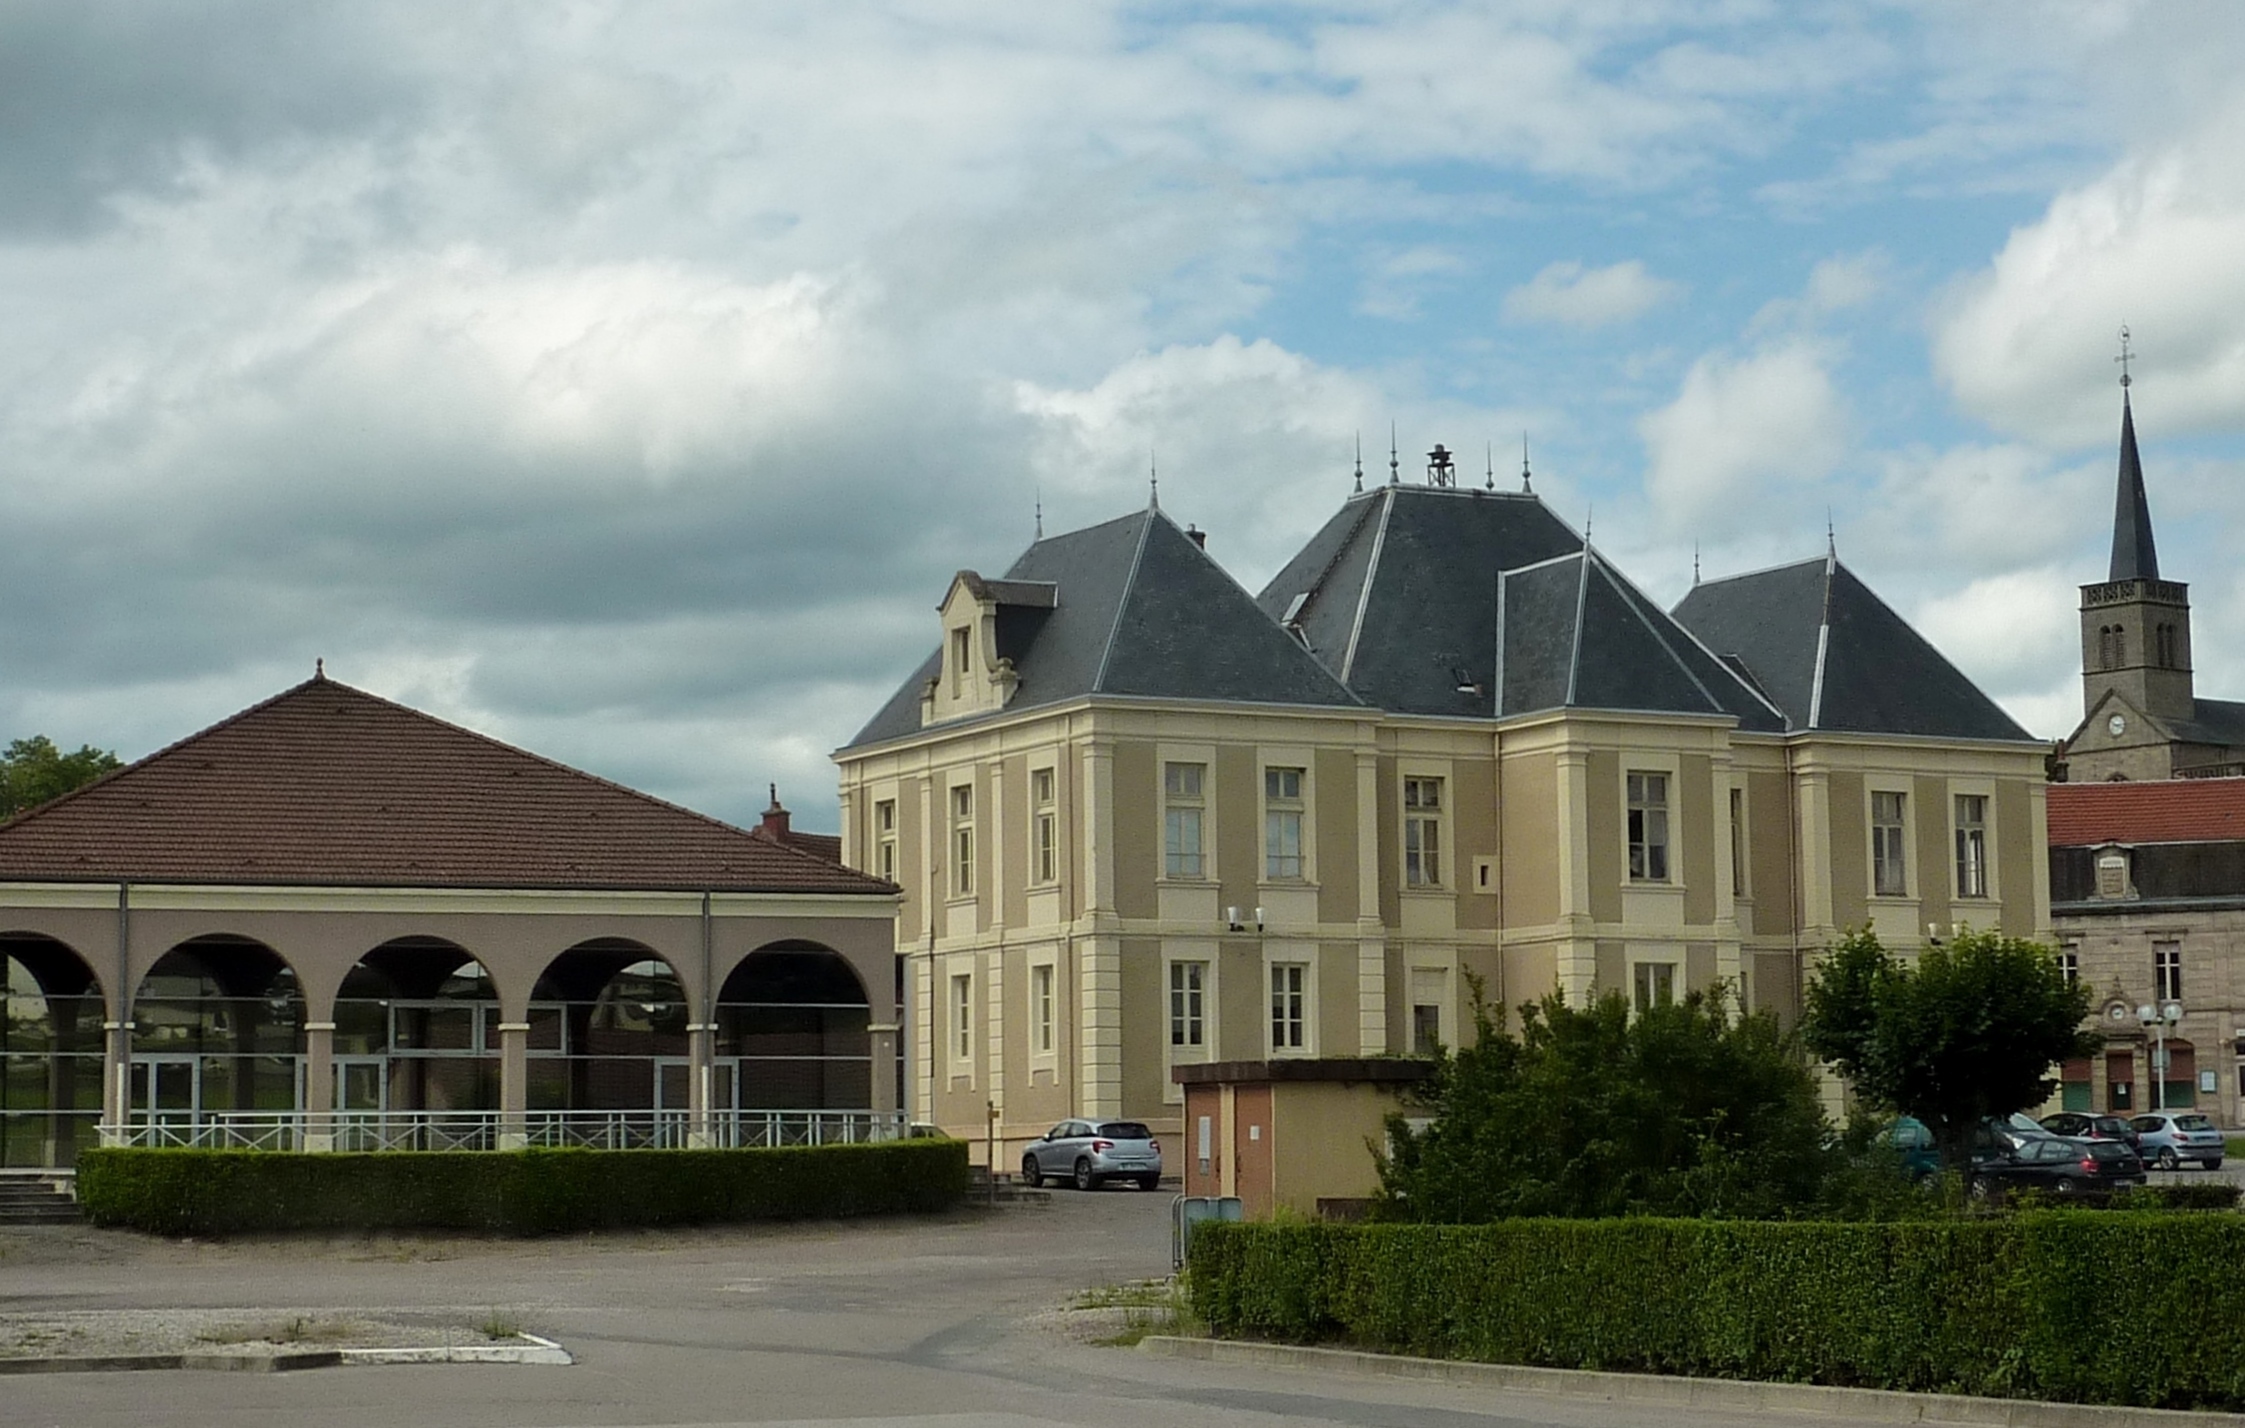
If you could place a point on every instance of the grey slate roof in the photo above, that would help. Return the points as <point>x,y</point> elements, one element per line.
<point>1136,608</point>
<point>1834,656</point>
<point>2134,556</point>
<point>2213,721</point>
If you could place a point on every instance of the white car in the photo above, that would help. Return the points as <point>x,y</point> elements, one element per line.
<point>2169,1138</point>
<point>1087,1154</point>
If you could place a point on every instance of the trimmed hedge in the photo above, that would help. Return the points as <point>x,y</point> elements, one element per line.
<point>525,1192</point>
<point>2104,1307</point>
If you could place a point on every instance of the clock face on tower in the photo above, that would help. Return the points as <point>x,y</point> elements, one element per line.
<point>2118,724</point>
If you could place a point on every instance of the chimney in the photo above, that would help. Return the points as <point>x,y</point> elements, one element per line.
<point>774,825</point>
<point>1198,536</point>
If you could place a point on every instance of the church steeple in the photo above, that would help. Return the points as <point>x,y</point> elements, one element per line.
<point>2134,556</point>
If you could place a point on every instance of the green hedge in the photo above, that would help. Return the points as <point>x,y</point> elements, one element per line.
<point>2133,1308</point>
<point>526,1192</point>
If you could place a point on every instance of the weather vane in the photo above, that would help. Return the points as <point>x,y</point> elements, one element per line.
<point>2124,358</point>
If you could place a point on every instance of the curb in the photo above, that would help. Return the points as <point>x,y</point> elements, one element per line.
<point>1872,1404</point>
<point>533,1350</point>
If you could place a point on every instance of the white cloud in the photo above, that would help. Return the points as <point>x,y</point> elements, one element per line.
<point>1834,285</point>
<point>2018,637</point>
<point>1744,434</point>
<point>1570,295</point>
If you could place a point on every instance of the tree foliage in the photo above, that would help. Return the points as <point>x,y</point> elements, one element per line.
<point>1972,1030</point>
<point>33,771</point>
<point>1677,1110</point>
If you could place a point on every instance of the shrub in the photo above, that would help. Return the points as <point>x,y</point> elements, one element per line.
<point>2193,1195</point>
<point>2092,1307</point>
<point>528,1192</point>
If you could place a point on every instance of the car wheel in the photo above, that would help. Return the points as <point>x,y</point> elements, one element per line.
<point>2167,1160</point>
<point>2067,1186</point>
<point>1978,1189</point>
<point>1149,1182</point>
<point>1031,1174</point>
<point>2213,1162</point>
<point>1085,1180</point>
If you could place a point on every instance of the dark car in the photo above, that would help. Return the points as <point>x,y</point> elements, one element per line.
<point>2091,1169</point>
<point>1998,1135</point>
<point>1087,1154</point>
<point>2080,1125</point>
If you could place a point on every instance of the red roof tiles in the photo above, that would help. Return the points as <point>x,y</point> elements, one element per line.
<point>2183,810</point>
<point>326,784</point>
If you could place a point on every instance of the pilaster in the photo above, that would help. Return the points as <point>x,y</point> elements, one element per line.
<point>514,1084</point>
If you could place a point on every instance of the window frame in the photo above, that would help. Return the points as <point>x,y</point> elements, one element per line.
<point>1296,1013</point>
<point>1653,982</point>
<point>1282,810</point>
<point>961,801</point>
<point>884,838</point>
<point>1182,808</point>
<point>1424,835</point>
<point>960,653</point>
<point>1187,1003</point>
<point>1971,840</point>
<point>2167,970</point>
<point>1876,846</point>
<point>1742,848</point>
<point>1044,826</point>
<point>1642,817</point>
<point>1044,1009</point>
<point>962,1022</point>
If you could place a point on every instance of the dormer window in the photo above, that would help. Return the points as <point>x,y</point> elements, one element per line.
<point>960,648</point>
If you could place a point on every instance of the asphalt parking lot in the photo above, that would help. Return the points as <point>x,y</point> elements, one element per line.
<point>893,1322</point>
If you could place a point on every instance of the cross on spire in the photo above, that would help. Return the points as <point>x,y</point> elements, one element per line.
<point>1153,483</point>
<point>2124,359</point>
<point>1395,462</point>
<point>1360,463</point>
<point>1525,483</point>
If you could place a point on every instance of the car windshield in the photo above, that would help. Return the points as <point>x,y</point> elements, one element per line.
<point>1126,1130</point>
<point>2193,1123</point>
<point>2107,1150</point>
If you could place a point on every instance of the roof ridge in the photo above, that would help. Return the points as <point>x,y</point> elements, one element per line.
<point>1371,578</point>
<point>1758,570</point>
<point>1582,595</point>
<point>1823,643</point>
<point>1216,565</point>
<point>1622,588</point>
<point>1122,599</point>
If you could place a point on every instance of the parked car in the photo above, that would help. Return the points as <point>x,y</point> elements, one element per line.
<point>1999,1135</point>
<point>2091,1169</point>
<point>1087,1154</point>
<point>2082,1126</point>
<point>2169,1138</point>
<point>1909,1136</point>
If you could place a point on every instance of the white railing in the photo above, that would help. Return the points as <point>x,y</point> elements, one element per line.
<point>649,1129</point>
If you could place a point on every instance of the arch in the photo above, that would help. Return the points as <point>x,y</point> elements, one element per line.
<point>417,1029</point>
<point>217,1026</point>
<point>608,1031</point>
<point>51,1053</point>
<point>794,1026</point>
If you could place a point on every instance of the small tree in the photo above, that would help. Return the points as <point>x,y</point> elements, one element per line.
<point>33,771</point>
<point>1971,1031</point>
<point>1679,1110</point>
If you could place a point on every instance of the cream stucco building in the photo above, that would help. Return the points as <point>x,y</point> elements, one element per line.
<point>1142,818</point>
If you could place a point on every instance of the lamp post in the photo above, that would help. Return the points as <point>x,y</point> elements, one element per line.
<point>2156,1020</point>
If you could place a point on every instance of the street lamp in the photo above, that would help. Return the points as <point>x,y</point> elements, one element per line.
<point>2156,1020</point>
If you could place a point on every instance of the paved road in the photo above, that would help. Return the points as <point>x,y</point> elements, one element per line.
<point>889,1323</point>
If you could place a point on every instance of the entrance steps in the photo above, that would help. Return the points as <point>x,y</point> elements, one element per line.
<point>39,1197</point>
<point>1008,1191</point>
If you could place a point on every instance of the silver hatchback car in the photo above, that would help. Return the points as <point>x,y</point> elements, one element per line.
<point>1087,1154</point>
<point>2171,1137</point>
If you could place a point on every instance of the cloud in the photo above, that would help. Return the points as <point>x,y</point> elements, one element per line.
<point>1834,285</point>
<point>1570,295</point>
<point>2019,636</point>
<point>1744,432</point>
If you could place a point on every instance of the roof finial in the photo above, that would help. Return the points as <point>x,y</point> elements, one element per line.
<point>1040,513</point>
<point>1360,463</point>
<point>1695,562</point>
<point>1588,512</point>
<point>1153,482</point>
<point>319,668</point>
<point>1525,483</point>
<point>1491,456</point>
<point>2124,359</point>
<point>1395,463</point>
<point>1831,537</point>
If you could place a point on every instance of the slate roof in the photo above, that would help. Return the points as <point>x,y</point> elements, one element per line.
<point>2183,810</point>
<point>2134,556</point>
<point>1836,657</point>
<point>1397,592</point>
<point>1138,609</point>
<point>328,785</point>
<point>2219,722</point>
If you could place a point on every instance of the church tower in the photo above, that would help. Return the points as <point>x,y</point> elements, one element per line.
<point>2135,627</point>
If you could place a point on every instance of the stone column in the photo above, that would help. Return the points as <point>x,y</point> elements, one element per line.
<point>1578,954</point>
<point>514,1084</point>
<point>882,1038</point>
<point>319,1085</point>
<point>116,1080</point>
<point>1371,933</point>
<point>701,1043</point>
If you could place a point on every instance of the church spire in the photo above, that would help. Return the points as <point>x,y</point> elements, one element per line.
<point>2134,556</point>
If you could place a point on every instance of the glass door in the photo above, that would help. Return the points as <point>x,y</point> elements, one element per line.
<point>167,1091</point>
<point>674,1099</point>
<point>362,1083</point>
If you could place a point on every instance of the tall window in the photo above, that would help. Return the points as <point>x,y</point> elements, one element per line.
<point>962,1019</point>
<point>1422,832</point>
<point>1889,875</point>
<point>959,640</point>
<point>1656,984</point>
<point>1040,1005</point>
<point>1648,827</point>
<point>1188,990</point>
<point>2069,963</point>
<point>1045,830</point>
<point>1289,1005</point>
<point>1427,984</point>
<point>2167,970</point>
<point>1972,845</point>
<point>962,840</point>
<point>2168,657</point>
<point>1738,842</point>
<point>1184,805</point>
<point>1282,823</point>
<point>884,839</point>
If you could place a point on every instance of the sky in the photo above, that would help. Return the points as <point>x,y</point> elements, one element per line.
<point>626,381</point>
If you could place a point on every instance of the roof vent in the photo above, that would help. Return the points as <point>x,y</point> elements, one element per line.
<point>1197,536</point>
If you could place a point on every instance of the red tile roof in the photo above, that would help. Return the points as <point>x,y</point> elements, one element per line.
<point>2183,810</point>
<point>326,784</point>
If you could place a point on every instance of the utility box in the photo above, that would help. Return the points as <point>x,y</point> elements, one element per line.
<point>1294,1132</point>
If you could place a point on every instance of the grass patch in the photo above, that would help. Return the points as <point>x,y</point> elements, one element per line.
<point>1149,1306</point>
<point>301,1329</point>
<point>500,1327</point>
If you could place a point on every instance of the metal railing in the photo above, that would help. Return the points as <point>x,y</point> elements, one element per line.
<point>636,1129</point>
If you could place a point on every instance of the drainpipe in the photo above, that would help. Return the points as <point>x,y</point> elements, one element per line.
<point>122,1028</point>
<point>705,1065</point>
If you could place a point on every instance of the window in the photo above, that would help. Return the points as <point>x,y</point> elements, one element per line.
<point>2069,964</point>
<point>2112,875</point>
<point>1282,823</point>
<point>2167,970</point>
<point>1045,850</point>
<point>2168,655</point>
<point>1656,984</point>
<point>1648,827</point>
<point>958,662</point>
<point>962,840</point>
<point>1738,842</point>
<point>1188,990</point>
<point>1183,806</point>
<point>1427,985</point>
<point>962,1019</point>
<point>1889,877</point>
<point>1422,832</point>
<point>884,839</point>
<point>1289,999</point>
<point>1040,1006</point>
<point>1972,845</point>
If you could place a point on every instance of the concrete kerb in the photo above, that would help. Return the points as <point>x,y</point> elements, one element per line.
<point>531,1349</point>
<point>1876,1405</point>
